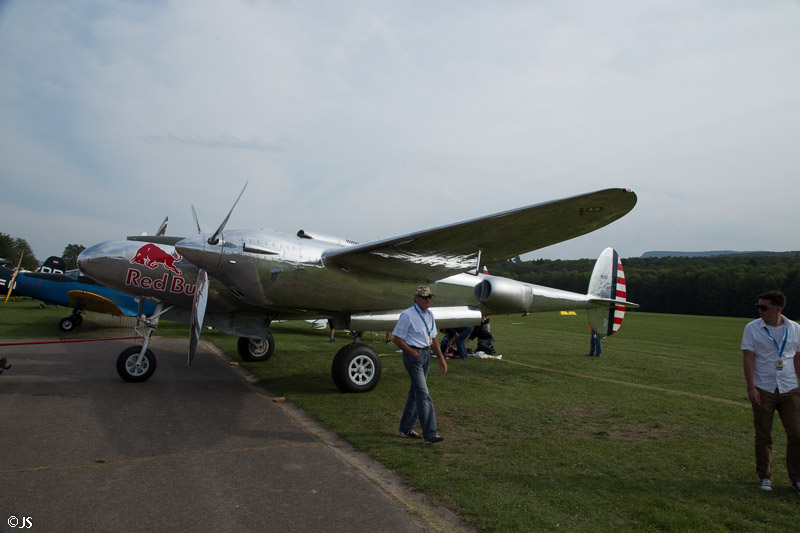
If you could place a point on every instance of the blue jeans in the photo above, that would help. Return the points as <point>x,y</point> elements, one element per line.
<point>419,404</point>
<point>463,335</point>
<point>596,347</point>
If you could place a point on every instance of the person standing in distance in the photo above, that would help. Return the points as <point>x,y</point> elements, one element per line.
<point>415,334</point>
<point>769,347</point>
<point>595,343</point>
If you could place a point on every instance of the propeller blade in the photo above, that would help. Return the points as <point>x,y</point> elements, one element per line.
<point>196,222</point>
<point>14,278</point>
<point>198,312</point>
<point>162,229</point>
<point>214,239</point>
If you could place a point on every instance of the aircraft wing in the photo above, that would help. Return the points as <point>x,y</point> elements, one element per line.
<point>89,301</point>
<point>440,252</point>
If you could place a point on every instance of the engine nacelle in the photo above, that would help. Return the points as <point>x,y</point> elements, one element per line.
<point>503,295</point>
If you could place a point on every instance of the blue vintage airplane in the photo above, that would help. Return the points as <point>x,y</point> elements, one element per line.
<point>54,285</point>
<point>71,289</point>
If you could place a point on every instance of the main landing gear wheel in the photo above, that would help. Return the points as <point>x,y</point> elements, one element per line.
<point>356,368</point>
<point>70,323</point>
<point>256,350</point>
<point>130,371</point>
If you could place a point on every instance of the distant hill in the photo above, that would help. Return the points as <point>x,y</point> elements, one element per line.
<point>690,254</point>
<point>711,254</point>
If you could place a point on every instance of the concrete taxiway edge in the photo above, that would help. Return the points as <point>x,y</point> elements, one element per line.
<point>433,517</point>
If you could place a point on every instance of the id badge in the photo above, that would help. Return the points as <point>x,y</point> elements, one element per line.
<point>780,364</point>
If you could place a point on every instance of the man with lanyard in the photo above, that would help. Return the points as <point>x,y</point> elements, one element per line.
<point>769,345</point>
<point>415,335</point>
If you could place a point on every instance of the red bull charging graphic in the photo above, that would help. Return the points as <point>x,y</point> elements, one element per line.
<point>152,256</point>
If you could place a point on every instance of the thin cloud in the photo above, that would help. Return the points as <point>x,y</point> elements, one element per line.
<point>372,120</point>
<point>222,142</point>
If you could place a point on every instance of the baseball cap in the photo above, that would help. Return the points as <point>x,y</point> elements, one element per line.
<point>424,291</point>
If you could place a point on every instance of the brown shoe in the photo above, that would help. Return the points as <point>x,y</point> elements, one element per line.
<point>4,363</point>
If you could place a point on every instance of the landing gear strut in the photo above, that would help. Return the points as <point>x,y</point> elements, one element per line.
<point>136,364</point>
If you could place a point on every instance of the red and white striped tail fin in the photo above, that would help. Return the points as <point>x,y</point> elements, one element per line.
<point>608,291</point>
<point>621,295</point>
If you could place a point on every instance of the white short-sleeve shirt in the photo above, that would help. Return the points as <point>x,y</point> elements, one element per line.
<point>773,369</point>
<point>416,328</point>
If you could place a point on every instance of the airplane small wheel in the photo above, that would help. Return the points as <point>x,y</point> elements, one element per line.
<point>256,350</point>
<point>129,371</point>
<point>356,368</point>
<point>68,324</point>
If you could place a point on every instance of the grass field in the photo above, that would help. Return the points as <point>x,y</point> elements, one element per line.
<point>656,435</point>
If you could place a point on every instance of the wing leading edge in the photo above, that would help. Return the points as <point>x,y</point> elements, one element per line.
<point>440,252</point>
<point>89,301</point>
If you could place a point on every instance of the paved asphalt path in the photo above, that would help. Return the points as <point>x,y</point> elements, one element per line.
<point>196,449</point>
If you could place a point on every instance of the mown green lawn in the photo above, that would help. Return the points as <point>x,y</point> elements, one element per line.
<point>653,436</point>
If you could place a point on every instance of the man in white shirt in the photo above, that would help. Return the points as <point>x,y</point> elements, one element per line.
<point>415,334</point>
<point>769,346</point>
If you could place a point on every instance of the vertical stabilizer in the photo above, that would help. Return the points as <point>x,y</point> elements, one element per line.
<point>54,265</point>
<point>607,283</point>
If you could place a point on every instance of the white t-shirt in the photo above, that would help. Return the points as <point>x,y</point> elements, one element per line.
<point>773,369</point>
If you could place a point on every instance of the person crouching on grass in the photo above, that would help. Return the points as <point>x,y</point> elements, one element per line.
<point>415,334</point>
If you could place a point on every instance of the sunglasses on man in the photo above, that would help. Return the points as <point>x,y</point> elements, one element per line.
<point>765,307</point>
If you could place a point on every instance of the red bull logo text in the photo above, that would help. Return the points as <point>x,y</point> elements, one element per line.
<point>176,285</point>
<point>151,256</point>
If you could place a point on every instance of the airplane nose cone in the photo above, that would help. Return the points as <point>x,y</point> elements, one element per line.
<point>90,257</point>
<point>99,261</point>
<point>198,251</point>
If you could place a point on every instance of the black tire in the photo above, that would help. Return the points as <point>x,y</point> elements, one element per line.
<point>256,350</point>
<point>356,368</point>
<point>68,324</point>
<point>126,365</point>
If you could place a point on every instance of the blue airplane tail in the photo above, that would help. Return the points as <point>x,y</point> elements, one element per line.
<point>53,265</point>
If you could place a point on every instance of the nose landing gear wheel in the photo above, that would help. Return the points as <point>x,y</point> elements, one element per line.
<point>130,371</point>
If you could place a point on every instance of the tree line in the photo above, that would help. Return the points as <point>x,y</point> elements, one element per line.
<point>12,248</point>
<point>724,285</point>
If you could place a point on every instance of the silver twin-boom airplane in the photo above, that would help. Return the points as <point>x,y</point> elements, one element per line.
<point>240,281</point>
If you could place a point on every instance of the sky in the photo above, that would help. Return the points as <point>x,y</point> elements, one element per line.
<point>367,120</point>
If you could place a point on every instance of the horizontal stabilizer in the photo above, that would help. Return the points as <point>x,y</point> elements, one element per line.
<point>446,317</point>
<point>606,302</point>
